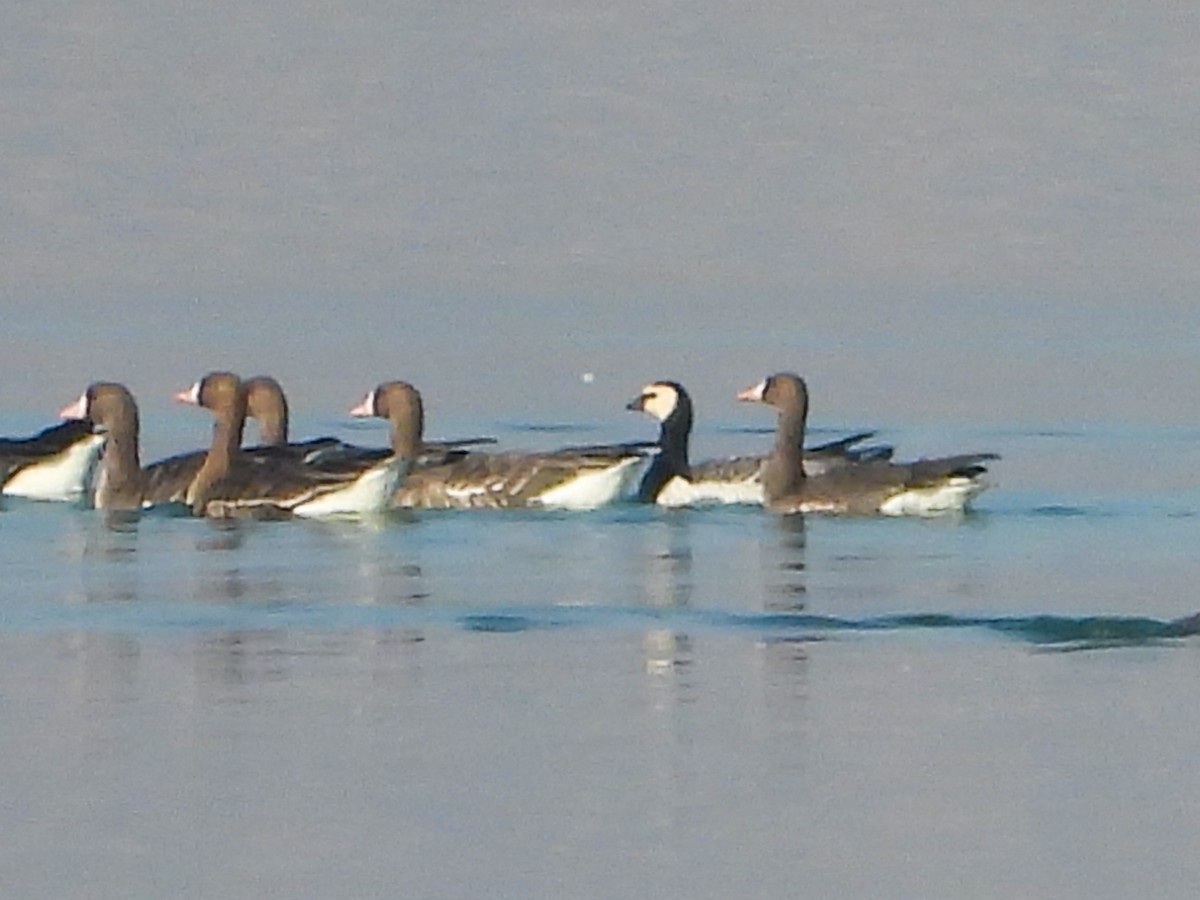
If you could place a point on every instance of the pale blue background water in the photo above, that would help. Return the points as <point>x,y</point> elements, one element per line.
<point>973,227</point>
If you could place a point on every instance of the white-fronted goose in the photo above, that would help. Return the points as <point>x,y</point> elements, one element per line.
<point>924,487</point>
<point>570,478</point>
<point>231,483</point>
<point>122,483</point>
<point>672,480</point>
<point>267,405</point>
<point>54,464</point>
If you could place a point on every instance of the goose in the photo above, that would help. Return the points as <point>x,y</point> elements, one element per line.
<point>231,483</point>
<point>267,405</point>
<point>924,487</point>
<point>122,482</point>
<point>55,464</point>
<point>672,480</point>
<point>575,478</point>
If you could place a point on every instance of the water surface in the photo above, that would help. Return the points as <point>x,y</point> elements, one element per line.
<point>704,703</point>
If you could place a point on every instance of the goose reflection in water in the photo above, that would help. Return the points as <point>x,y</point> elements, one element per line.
<point>788,593</point>
<point>668,584</point>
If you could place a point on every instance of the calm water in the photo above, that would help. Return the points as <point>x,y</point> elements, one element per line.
<point>620,703</point>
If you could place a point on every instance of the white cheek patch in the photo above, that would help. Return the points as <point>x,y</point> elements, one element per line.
<point>661,403</point>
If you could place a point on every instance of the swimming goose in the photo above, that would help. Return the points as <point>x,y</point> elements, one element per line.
<point>121,483</point>
<point>924,487</point>
<point>231,483</point>
<point>267,405</point>
<point>570,478</point>
<point>54,464</point>
<point>672,480</point>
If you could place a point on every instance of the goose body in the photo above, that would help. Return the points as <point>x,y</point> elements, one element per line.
<point>872,487</point>
<point>672,480</point>
<point>231,483</point>
<point>575,478</point>
<point>57,463</point>
<point>572,478</point>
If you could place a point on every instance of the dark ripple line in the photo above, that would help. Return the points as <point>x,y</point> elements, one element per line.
<point>1043,630</point>
<point>1047,630</point>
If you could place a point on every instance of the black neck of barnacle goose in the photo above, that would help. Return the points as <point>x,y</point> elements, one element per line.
<point>672,459</point>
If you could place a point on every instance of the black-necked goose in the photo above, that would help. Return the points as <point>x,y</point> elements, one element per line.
<point>55,464</point>
<point>231,483</point>
<point>672,480</point>
<point>570,478</point>
<point>924,487</point>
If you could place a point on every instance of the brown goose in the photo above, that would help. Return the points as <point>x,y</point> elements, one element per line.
<point>571,478</point>
<point>924,487</point>
<point>267,405</point>
<point>55,464</point>
<point>672,480</point>
<point>231,483</point>
<point>122,483</point>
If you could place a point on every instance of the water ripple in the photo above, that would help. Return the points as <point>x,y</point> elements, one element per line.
<point>1044,631</point>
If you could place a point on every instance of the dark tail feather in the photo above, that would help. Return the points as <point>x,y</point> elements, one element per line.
<point>967,465</point>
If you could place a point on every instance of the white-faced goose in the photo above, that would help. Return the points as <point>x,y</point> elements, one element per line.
<point>672,480</point>
<point>231,483</point>
<point>54,464</point>
<point>924,487</point>
<point>570,478</point>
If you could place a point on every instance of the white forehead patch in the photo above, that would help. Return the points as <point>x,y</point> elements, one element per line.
<point>367,406</point>
<point>78,409</point>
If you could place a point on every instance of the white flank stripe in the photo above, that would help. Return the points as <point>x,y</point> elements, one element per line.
<point>62,477</point>
<point>371,492</point>
<point>597,488</point>
<point>952,496</point>
<point>681,492</point>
